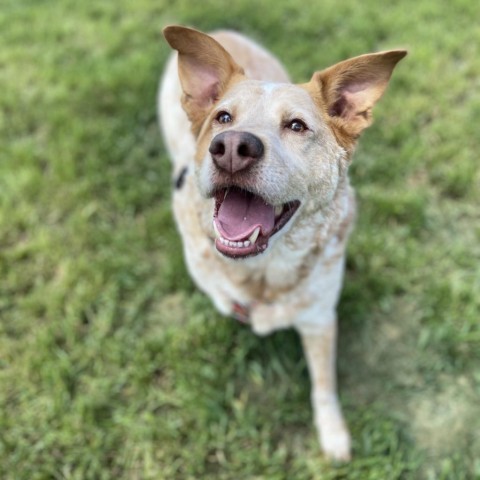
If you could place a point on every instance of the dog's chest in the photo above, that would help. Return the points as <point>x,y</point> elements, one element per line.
<point>267,278</point>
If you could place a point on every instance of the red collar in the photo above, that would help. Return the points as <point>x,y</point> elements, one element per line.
<point>241,312</point>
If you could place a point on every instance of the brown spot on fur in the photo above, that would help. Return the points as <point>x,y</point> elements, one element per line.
<point>257,288</point>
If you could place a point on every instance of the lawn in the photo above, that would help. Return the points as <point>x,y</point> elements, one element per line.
<point>112,364</point>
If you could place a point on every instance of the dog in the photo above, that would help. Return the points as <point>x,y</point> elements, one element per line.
<point>261,196</point>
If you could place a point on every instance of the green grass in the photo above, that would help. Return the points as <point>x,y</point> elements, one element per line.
<point>112,365</point>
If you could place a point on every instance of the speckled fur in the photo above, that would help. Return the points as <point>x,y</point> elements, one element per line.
<point>297,281</point>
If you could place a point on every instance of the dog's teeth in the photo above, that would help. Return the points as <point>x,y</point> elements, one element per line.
<point>215,229</point>
<point>229,243</point>
<point>253,237</point>
<point>278,210</point>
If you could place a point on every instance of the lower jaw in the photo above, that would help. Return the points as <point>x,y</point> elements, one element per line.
<point>241,252</point>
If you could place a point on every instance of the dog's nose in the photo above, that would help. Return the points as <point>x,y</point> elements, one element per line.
<point>235,151</point>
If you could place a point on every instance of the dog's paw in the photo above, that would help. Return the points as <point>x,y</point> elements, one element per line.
<point>265,319</point>
<point>336,444</point>
<point>241,312</point>
<point>262,329</point>
<point>332,431</point>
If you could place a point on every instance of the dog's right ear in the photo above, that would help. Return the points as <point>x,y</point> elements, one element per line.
<point>205,70</point>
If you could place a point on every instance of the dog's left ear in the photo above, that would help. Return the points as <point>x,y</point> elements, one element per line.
<point>205,69</point>
<point>349,89</point>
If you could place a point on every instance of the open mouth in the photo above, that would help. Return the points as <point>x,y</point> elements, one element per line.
<point>244,222</point>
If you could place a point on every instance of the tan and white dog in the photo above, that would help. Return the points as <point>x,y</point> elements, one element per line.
<point>262,198</point>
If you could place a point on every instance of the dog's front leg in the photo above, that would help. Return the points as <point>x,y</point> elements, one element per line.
<point>320,352</point>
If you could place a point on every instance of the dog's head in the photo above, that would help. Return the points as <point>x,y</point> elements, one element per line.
<point>269,152</point>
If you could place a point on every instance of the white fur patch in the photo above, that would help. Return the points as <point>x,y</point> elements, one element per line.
<point>269,87</point>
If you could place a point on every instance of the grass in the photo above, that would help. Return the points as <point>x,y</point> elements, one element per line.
<point>112,365</point>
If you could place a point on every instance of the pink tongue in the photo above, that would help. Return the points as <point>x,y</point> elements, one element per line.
<point>241,212</point>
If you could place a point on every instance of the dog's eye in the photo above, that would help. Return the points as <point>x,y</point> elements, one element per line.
<point>297,126</point>
<point>223,117</point>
